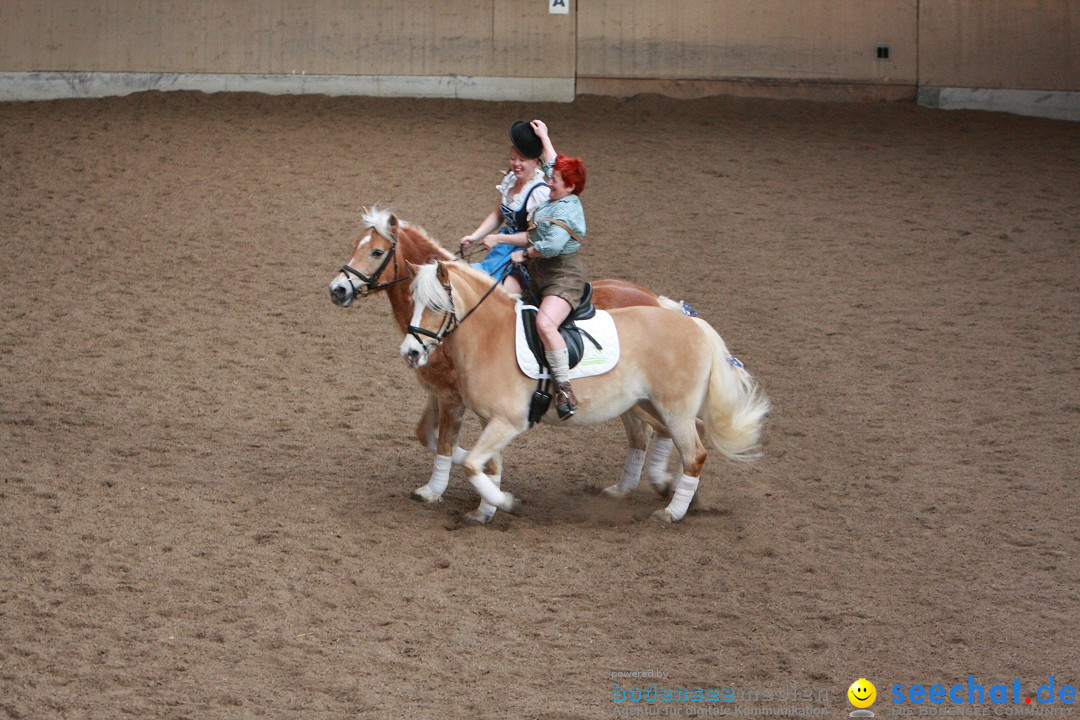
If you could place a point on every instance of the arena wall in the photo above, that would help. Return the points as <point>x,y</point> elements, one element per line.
<point>785,47</point>
<point>517,49</point>
<point>1001,55</point>
<point>465,48</point>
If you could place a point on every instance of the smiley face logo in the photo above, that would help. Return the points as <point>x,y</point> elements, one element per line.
<point>862,693</point>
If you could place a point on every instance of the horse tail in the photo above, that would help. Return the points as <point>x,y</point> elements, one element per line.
<point>668,304</point>
<point>680,306</point>
<point>735,407</point>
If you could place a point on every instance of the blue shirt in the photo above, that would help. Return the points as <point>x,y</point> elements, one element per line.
<point>548,238</point>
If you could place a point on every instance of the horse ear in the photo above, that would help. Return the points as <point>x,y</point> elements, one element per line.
<point>412,268</point>
<point>392,223</point>
<point>441,272</point>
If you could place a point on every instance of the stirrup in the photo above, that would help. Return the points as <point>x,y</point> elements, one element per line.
<point>565,402</point>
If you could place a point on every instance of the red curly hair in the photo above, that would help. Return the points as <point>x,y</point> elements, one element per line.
<point>573,171</point>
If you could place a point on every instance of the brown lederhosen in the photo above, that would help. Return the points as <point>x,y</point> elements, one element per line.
<point>560,275</point>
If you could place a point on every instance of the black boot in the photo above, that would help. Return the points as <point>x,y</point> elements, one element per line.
<point>565,402</point>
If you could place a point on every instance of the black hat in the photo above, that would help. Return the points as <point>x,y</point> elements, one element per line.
<point>526,140</point>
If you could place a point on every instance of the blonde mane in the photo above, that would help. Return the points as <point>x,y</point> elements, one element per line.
<point>378,219</point>
<point>428,291</point>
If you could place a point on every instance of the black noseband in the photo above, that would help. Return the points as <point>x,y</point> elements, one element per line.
<point>371,283</point>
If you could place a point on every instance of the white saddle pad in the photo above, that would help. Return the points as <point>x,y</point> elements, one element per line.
<point>593,362</point>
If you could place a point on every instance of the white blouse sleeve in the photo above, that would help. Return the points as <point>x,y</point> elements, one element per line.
<point>505,187</point>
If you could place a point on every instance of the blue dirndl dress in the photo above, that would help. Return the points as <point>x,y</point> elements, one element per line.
<point>513,221</point>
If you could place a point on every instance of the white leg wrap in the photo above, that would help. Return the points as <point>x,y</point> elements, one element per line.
<point>488,489</point>
<point>635,460</point>
<point>460,454</point>
<point>659,454</point>
<point>440,476</point>
<point>486,507</point>
<point>684,493</point>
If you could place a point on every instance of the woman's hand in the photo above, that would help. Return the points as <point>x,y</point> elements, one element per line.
<point>518,256</point>
<point>489,240</point>
<point>548,154</point>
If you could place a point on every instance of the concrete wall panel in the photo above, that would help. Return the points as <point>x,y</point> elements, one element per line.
<point>507,38</point>
<point>1028,45</point>
<point>818,40</point>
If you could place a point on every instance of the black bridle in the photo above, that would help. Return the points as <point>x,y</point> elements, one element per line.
<point>369,283</point>
<point>450,321</point>
<point>449,324</point>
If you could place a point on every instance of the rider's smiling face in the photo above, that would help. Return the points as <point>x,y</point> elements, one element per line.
<point>559,188</point>
<point>522,167</point>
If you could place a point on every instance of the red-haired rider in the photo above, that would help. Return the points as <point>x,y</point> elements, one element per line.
<point>556,273</point>
<point>521,191</point>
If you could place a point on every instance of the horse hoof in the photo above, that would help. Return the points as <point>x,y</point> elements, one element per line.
<point>511,504</point>
<point>476,517</point>
<point>664,517</point>
<point>422,494</point>
<point>614,492</point>
<point>664,487</point>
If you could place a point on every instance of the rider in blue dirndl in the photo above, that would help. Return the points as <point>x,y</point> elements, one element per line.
<point>521,191</point>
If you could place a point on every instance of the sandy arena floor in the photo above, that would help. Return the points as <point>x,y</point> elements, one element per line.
<point>206,464</point>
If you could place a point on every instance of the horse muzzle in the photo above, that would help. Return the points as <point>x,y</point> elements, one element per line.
<point>415,353</point>
<point>343,292</point>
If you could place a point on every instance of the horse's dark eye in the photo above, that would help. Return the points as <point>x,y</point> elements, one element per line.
<point>377,253</point>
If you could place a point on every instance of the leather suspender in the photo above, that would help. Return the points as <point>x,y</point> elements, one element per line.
<point>561,224</point>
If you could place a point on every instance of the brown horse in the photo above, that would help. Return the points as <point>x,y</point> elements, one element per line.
<point>676,368</point>
<point>380,263</point>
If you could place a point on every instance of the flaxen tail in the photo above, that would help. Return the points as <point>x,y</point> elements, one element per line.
<point>680,306</point>
<point>735,407</point>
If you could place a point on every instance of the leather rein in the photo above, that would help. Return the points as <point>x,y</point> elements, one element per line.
<point>450,321</point>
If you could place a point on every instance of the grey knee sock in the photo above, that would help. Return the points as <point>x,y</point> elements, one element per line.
<point>559,360</point>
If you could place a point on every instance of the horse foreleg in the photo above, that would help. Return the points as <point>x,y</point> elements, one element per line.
<point>684,434</point>
<point>497,434</point>
<point>637,438</point>
<point>427,430</point>
<point>484,512</point>
<point>430,428</point>
<point>450,412</point>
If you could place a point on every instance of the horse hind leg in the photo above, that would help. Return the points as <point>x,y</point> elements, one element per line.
<point>684,434</point>
<point>637,437</point>
<point>659,475</point>
<point>645,414</point>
